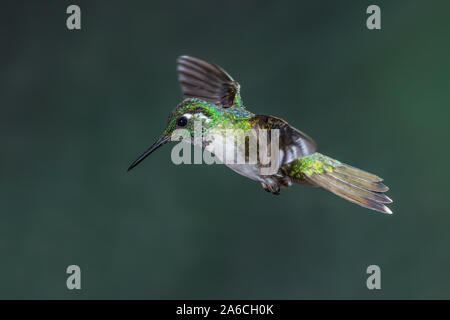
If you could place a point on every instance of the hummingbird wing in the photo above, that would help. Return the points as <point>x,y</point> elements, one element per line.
<point>207,81</point>
<point>293,144</point>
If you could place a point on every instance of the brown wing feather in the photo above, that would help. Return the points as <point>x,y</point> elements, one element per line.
<point>293,143</point>
<point>207,81</point>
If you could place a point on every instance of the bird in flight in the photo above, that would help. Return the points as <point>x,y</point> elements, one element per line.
<point>212,97</point>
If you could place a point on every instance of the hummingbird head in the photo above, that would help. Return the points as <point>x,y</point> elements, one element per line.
<point>187,116</point>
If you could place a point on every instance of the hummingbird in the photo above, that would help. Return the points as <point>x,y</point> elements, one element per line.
<point>212,96</point>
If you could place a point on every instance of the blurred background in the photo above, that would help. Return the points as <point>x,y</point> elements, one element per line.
<point>77,107</point>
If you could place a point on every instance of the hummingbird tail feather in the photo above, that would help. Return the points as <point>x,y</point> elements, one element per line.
<point>352,184</point>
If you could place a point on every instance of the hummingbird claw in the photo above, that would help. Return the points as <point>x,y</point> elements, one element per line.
<point>273,189</point>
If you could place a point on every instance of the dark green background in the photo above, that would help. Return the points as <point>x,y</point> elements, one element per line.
<point>78,106</point>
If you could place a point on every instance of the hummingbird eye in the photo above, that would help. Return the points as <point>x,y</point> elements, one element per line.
<point>182,121</point>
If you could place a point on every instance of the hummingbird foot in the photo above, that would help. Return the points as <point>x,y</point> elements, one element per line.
<point>273,189</point>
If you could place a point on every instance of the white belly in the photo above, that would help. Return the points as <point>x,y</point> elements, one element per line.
<point>227,152</point>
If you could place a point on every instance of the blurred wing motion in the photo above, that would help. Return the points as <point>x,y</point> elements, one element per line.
<point>204,80</point>
<point>352,184</point>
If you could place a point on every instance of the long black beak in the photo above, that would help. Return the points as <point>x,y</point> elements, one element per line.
<point>156,145</point>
